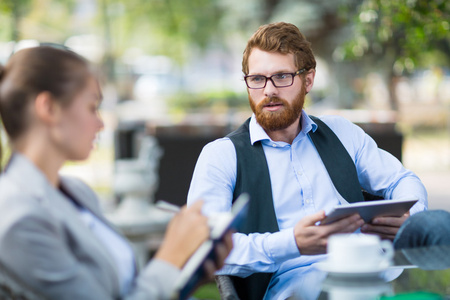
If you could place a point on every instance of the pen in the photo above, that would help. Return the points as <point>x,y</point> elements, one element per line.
<point>164,205</point>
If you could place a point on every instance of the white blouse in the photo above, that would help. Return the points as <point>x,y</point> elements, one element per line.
<point>116,245</point>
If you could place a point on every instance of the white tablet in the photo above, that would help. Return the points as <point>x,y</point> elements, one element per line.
<point>370,209</point>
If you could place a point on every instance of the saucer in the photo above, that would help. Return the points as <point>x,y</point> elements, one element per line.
<point>363,272</point>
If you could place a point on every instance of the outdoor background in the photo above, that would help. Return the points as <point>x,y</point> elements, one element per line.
<point>177,62</point>
<point>175,66</point>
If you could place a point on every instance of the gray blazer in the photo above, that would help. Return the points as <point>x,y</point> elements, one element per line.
<point>44,242</point>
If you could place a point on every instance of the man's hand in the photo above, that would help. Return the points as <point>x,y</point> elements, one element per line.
<point>385,227</point>
<point>312,239</point>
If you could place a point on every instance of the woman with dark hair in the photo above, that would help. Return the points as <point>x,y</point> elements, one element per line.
<point>53,235</point>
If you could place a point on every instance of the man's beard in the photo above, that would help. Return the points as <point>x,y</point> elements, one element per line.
<point>282,118</point>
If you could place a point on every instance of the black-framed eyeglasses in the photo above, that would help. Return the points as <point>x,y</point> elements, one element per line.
<point>279,80</point>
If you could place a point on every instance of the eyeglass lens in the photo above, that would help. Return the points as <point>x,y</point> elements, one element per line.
<point>278,80</point>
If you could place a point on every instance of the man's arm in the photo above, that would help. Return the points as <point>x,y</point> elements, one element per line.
<point>398,183</point>
<point>381,174</point>
<point>214,181</point>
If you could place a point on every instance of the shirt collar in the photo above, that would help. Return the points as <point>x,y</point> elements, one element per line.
<point>257,133</point>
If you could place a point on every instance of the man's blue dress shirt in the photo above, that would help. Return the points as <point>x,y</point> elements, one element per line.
<point>301,186</point>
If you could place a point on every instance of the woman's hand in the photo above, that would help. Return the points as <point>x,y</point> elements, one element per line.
<point>185,233</point>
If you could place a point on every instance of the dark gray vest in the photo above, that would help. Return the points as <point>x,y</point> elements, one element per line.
<point>253,178</point>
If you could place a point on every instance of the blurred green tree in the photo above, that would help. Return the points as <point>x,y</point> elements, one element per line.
<point>393,36</point>
<point>398,36</point>
<point>16,10</point>
<point>30,19</point>
<point>162,26</point>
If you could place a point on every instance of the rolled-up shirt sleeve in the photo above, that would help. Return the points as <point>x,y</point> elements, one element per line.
<point>260,252</point>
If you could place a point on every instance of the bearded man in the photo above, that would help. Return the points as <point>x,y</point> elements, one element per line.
<point>283,158</point>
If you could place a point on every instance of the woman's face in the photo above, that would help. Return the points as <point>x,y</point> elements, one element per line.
<point>80,122</point>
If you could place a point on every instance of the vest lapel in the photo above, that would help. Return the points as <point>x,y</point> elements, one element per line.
<point>253,177</point>
<point>337,161</point>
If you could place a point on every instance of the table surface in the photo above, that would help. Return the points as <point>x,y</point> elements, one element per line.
<point>426,276</point>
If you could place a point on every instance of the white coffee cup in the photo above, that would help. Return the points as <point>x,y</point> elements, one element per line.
<point>358,252</point>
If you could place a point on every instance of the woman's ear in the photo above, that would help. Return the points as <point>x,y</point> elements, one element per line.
<point>46,108</point>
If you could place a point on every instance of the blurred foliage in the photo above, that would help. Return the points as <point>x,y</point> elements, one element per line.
<point>406,30</point>
<point>421,280</point>
<point>29,19</point>
<point>158,27</point>
<point>405,33</point>
<point>185,101</point>
<point>208,291</point>
<point>5,151</point>
<point>389,36</point>
<point>16,9</point>
<point>394,38</point>
<point>162,26</point>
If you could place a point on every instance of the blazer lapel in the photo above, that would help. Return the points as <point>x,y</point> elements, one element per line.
<point>83,196</point>
<point>88,199</point>
<point>61,205</point>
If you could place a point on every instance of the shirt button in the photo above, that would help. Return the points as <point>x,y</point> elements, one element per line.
<point>274,145</point>
<point>308,201</point>
<point>299,173</point>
